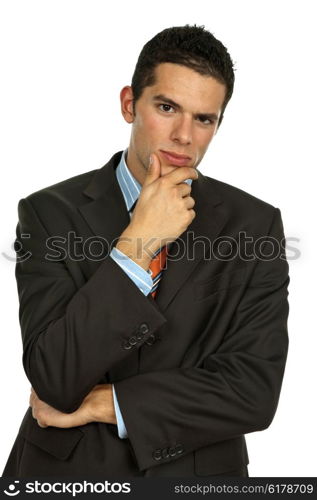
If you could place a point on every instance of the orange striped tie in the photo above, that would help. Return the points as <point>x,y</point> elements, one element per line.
<point>157,265</point>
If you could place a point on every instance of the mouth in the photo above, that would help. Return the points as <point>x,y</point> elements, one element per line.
<point>175,158</point>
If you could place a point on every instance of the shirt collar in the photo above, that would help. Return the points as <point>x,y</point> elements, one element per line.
<point>129,186</point>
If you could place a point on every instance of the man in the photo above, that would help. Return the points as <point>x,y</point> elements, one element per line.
<point>151,344</point>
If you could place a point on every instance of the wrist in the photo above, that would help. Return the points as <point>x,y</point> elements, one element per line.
<point>139,248</point>
<point>100,405</point>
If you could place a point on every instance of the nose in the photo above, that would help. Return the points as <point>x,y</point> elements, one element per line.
<point>182,130</point>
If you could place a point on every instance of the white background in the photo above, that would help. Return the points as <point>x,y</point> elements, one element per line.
<point>63,63</point>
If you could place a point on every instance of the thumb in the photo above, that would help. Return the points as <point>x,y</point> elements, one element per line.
<point>154,169</point>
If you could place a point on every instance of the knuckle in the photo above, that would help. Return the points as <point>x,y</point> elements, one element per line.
<point>185,189</point>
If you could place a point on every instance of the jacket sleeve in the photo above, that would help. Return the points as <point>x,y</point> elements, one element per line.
<point>73,336</point>
<point>142,279</point>
<point>233,392</point>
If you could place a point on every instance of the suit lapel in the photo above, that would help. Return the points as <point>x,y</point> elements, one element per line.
<point>106,212</point>
<point>186,252</point>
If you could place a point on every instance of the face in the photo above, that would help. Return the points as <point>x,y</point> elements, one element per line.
<point>176,118</point>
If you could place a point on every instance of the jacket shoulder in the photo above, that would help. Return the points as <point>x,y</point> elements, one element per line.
<point>243,210</point>
<point>233,194</point>
<point>238,200</point>
<point>68,191</point>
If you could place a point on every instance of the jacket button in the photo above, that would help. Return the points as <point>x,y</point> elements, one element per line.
<point>144,328</point>
<point>165,453</point>
<point>126,345</point>
<point>172,452</point>
<point>157,454</point>
<point>151,339</point>
<point>132,340</point>
<point>179,449</point>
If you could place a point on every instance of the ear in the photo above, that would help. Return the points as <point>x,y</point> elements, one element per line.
<point>126,98</point>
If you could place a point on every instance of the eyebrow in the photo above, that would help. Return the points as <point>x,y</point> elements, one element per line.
<point>167,100</point>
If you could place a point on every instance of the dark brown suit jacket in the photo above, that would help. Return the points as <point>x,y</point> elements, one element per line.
<point>194,370</point>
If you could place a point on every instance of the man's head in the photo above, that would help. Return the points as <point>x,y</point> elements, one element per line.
<point>190,46</point>
<point>181,85</point>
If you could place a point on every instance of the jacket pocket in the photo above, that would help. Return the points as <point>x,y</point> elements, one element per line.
<point>220,457</point>
<point>57,442</point>
<point>219,282</point>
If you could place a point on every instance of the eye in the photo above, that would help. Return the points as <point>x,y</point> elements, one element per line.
<point>167,108</point>
<point>206,121</point>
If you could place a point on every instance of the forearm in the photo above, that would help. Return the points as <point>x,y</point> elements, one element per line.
<point>196,407</point>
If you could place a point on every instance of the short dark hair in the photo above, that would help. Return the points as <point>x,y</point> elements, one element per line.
<point>191,46</point>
